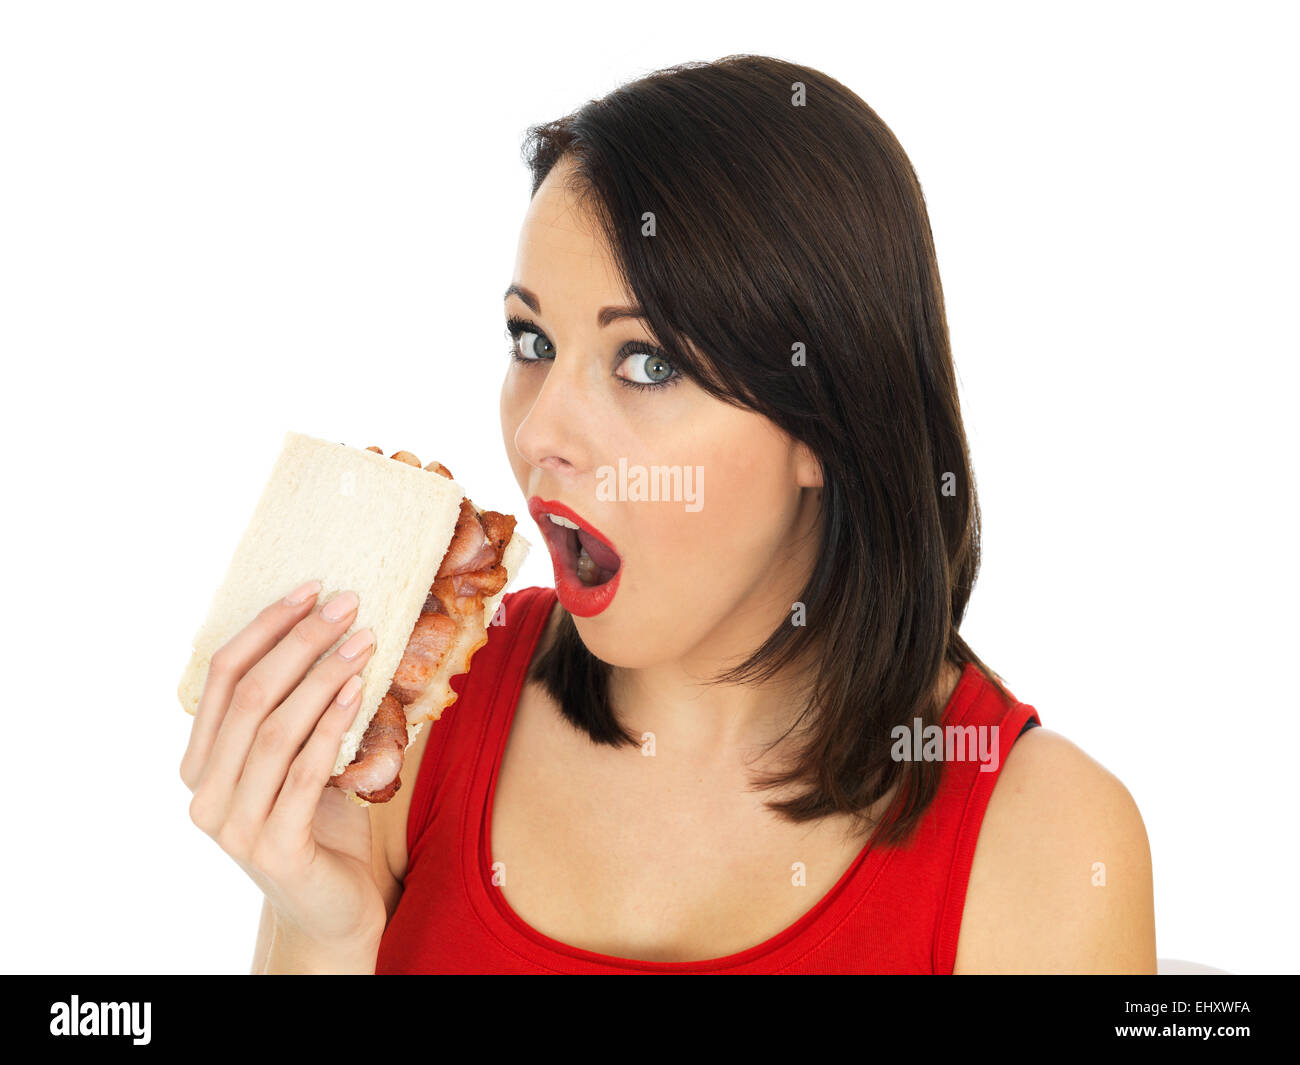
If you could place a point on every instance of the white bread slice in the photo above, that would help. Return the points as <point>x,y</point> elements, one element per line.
<point>352,519</point>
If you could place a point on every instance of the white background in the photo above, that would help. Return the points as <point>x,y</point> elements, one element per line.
<point>220,221</point>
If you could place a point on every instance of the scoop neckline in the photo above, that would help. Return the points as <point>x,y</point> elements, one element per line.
<point>866,866</point>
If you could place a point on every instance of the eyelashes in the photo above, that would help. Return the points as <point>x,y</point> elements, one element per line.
<point>516,328</point>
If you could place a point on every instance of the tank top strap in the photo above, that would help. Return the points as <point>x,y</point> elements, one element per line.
<point>986,728</point>
<point>920,888</point>
<point>459,734</point>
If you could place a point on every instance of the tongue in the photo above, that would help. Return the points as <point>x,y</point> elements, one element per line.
<point>599,553</point>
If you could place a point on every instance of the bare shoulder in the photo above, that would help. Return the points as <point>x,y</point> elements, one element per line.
<point>1061,877</point>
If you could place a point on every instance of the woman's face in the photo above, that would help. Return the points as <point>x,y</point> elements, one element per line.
<point>710,566</point>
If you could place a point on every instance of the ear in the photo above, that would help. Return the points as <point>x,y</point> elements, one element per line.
<point>808,471</point>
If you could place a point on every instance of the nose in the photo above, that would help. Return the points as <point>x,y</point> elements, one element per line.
<point>554,435</point>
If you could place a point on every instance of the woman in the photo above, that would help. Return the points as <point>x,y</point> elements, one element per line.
<point>729,368</point>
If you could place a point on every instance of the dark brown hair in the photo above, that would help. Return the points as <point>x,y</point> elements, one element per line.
<point>787,213</point>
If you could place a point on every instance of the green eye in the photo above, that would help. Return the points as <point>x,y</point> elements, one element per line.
<point>524,335</point>
<point>652,370</point>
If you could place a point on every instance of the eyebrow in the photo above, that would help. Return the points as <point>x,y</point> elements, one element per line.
<point>604,317</point>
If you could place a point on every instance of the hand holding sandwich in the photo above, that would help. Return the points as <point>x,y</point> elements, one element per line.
<point>302,716</point>
<point>261,751</point>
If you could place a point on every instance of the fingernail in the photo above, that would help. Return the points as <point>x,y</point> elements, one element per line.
<point>350,691</point>
<point>301,594</point>
<point>357,643</point>
<point>340,606</point>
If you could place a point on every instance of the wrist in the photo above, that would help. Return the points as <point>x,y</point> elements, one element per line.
<point>293,952</point>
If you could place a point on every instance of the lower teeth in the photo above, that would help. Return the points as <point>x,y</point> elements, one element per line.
<point>588,571</point>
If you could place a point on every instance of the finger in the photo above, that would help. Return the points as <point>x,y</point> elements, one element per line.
<point>288,829</point>
<point>282,735</point>
<point>230,663</point>
<point>262,689</point>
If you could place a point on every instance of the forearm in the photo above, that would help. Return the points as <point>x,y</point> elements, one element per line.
<point>263,948</point>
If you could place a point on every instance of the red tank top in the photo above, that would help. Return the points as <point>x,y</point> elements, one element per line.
<point>895,910</point>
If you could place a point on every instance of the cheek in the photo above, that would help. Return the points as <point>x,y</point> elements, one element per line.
<point>748,500</point>
<point>514,406</point>
<point>694,571</point>
<point>513,400</point>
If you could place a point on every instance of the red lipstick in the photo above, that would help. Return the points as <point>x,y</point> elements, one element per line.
<point>578,598</point>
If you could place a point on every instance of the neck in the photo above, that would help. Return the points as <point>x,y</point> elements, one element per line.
<point>714,723</point>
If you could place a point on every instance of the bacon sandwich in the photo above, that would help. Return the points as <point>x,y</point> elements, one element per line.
<point>429,567</point>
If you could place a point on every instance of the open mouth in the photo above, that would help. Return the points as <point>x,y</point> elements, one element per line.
<point>578,550</point>
<point>592,561</point>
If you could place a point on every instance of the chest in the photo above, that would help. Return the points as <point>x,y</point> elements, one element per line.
<point>645,856</point>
